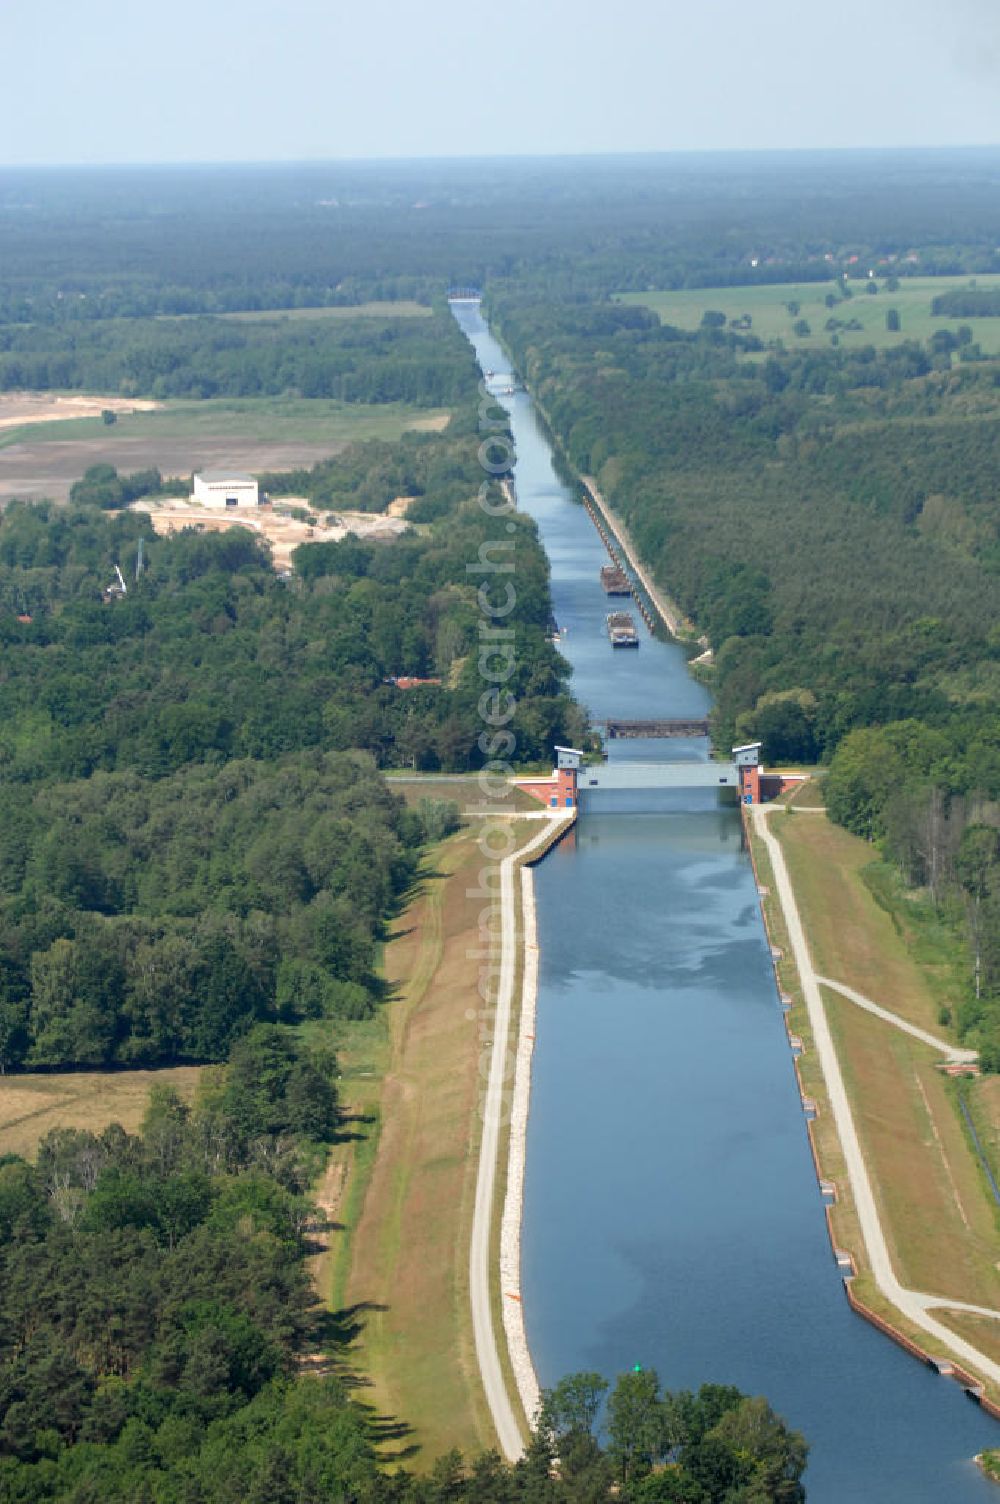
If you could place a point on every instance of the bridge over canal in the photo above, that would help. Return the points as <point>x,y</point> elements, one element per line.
<point>638,777</point>
<point>616,729</point>
<point>572,779</point>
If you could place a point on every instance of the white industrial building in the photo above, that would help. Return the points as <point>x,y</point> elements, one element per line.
<point>221,488</point>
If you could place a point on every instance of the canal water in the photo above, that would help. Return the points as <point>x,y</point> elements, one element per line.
<point>672,1216</point>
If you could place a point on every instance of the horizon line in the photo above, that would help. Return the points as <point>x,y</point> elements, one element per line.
<point>646,153</point>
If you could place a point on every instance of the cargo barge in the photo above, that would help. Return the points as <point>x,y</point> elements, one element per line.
<point>622,630</point>
<point>615,581</point>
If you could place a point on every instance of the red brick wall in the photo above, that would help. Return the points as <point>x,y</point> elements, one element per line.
<point>750,784</point>
<point>543,789</point>
<point>561,787</point>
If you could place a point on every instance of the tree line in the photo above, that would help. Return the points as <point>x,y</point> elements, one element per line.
<point>967,303</point>
<point>81,247</point>
<point>424,361</point>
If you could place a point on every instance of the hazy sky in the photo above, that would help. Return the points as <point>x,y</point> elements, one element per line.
<point>216,80</point>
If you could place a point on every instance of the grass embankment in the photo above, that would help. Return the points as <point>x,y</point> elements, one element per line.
<point>772,320</point>
<point>400,1270</point>
<point>32,1105</point>
<point>808,795</point>
<point>938,1214</point>
<point>265,420</point>
<point>466,791</point>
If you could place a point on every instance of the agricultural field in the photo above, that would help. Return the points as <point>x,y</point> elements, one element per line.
<point>254,434</point>
<point>773,319</point>
<point>32,1105</point>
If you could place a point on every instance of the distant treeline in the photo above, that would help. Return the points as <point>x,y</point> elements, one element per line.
<point>367,477</point>
<point>422,361</point>
<point>131,243</point>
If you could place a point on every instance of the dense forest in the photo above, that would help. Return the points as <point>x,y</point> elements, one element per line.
<point>146,920</point>
<point>415,360</point>
<point>156,1311</point>
<point>830,521</point>
<point>211,657</point>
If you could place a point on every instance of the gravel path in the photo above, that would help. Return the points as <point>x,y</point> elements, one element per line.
<point>496,1110</point>
<point>951,1052</point>
<point>914,1304</point>
<point>513,1209</point>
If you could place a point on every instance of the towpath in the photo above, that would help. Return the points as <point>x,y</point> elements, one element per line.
<point>916,1305</point>
<point>498,1091</point>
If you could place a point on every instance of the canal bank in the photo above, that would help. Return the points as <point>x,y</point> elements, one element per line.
<point>504,1113</point>
<point>671,1212</point>
<point>916,1307</point>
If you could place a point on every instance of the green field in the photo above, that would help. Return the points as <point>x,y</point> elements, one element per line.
<point>268,420</point>
<point>772,320</point>
<point>403,309</point>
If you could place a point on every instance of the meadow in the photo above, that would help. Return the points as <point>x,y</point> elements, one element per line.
<point>772,318</point>
<point>32,1105</point>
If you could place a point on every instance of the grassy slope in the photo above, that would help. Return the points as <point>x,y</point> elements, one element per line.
<point>401,1273</point>
<point>852,938</point>
<point>940,1220</point>
<point>767,307</point>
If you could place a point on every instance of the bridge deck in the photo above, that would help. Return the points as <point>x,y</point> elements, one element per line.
<point>676,726</point>
<point>658,775</point>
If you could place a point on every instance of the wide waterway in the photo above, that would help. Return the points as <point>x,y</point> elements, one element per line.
<point>672,1216</point>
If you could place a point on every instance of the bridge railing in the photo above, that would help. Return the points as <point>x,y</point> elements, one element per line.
<point>674,726</point>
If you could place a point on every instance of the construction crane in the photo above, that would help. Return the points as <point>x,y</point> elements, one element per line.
<point>118,588</point>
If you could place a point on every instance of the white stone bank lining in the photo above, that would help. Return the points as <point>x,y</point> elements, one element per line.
<point>496,1109</point>
<point>513,1209</point>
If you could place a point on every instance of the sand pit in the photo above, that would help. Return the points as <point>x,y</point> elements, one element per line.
<point>282,531</point>
<point>19,408</point>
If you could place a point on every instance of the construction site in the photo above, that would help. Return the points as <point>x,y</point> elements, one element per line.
<point>283,523</point>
